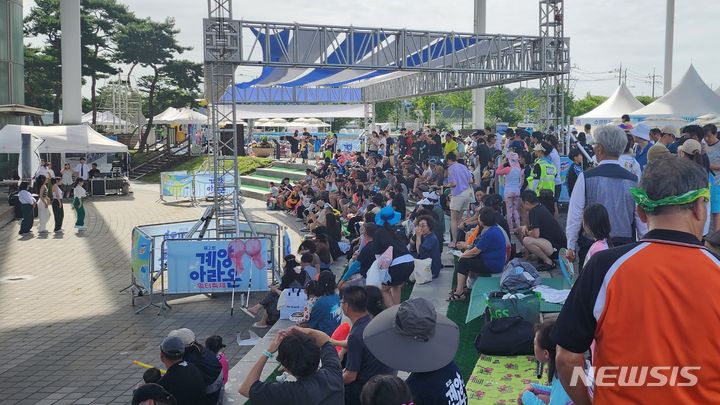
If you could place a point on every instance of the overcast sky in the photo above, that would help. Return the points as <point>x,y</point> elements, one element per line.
<point>603,33</point>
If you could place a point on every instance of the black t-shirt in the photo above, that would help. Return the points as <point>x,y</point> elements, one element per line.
<point>398,203</point>
<point>366,257</point>
<point>185,382</point>
<point>435,149</point>
<point>324,387</point>
<point>294,144</point>
<point>439,387</point>
<point>483,153</point>
<point>540,218</point>
<point>359,358</point>
<point>385,238</point>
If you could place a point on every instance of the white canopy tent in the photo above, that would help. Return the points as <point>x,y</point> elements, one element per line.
<point>181,116</point>
<point>104,118</point>
<point>690,99</point>
<point>165,116</point>
<point>620,102</point>
<point>60,139</point>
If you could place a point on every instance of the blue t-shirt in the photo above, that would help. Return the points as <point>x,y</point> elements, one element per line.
<point>430,249</point>
<point>439,387</point>
<point>642,155</point>
<point>326,314</point>
<point>317,144</point>
<point>492,248</point>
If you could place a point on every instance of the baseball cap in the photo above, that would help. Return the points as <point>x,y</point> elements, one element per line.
<point>186,335</point>
<point>172,346</point>
<point>152,392</point>
<point>658,151</point>
<point>669,129</point>
<point>539,148</point>
<point>690,147</point>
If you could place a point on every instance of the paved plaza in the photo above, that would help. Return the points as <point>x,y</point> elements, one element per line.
<point>68,334</point>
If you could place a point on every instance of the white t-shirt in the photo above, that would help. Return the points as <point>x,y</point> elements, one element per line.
<point>630,164</point>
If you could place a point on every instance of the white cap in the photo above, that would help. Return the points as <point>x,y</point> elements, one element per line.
<point>641,131</point>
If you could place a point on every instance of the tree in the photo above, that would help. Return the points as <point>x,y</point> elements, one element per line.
<point>384,110</point>
<point>178,85</point>
<point>527,104</point>
<point>580,107</point>
<point>43,86</point>
<point>461,100</point>
<point>153,45</point>
<point>497,106</point>
<point>99,22</point>
<point>424,105</point>
<point>645,99</point>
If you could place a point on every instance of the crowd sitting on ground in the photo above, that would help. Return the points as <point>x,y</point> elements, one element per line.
<point>636,208</point>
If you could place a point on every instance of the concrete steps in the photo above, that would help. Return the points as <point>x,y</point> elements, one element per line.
<point>254,192</point>
<point>292,166</point>
<point>259,181</point>
<point>281,173</point>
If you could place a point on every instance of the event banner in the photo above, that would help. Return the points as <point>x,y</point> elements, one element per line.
<point>205,186</point>
<point>349,146</point>
<point>214,266</point>
<point>176,184</point>
<point>140,258</point>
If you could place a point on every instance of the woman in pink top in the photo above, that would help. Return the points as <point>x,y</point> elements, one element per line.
<point>215,344</point>
<point>596,224</point>
<point>511,192</point>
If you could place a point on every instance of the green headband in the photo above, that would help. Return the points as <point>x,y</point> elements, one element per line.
<point>641,198</point>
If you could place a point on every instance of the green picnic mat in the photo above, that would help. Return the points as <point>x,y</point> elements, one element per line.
<point>485,285</point>
<point>499,379</point>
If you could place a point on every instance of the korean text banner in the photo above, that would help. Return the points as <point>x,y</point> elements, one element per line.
<point>140,258</point>
<point>198,266</point>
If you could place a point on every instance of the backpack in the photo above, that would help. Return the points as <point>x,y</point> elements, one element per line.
<point>519,275</point>
<point>506,337</point>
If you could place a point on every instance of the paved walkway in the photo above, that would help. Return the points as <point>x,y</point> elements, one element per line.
<point>68,334</point>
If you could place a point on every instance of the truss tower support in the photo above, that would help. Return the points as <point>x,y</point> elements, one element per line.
<point>555,58</point>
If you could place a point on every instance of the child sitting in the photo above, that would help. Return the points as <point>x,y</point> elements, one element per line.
<point>596,224</point>
<point>272,201</point>
<point>312,290</point>
<point>306,263</point>
<point>545,350</point>
<point>215,345</point>
<point>152,375</point>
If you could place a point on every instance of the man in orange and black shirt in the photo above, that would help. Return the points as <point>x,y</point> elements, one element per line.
<point>652,307</point>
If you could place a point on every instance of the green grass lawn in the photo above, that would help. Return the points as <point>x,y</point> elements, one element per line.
<point>246,165</point>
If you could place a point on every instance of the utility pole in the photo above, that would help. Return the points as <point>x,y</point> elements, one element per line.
<point>653,83</point>
<point>625,77</point>
<point>620,74</point>
<point>669,27</point>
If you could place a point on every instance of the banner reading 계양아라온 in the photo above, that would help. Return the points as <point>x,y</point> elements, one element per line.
<point>140,258</point>
<point>197,266</point>
<point>205,184</point>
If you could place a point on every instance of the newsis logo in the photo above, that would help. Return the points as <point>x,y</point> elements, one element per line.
<point>636,376</point>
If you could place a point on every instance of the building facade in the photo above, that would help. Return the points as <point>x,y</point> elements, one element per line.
<point>11,58</point>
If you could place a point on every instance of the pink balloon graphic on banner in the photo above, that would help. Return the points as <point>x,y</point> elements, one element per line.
<point>253,248</point>
<point>236,251</point>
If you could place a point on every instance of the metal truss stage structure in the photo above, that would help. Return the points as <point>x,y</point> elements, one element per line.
<point>376,64</point>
